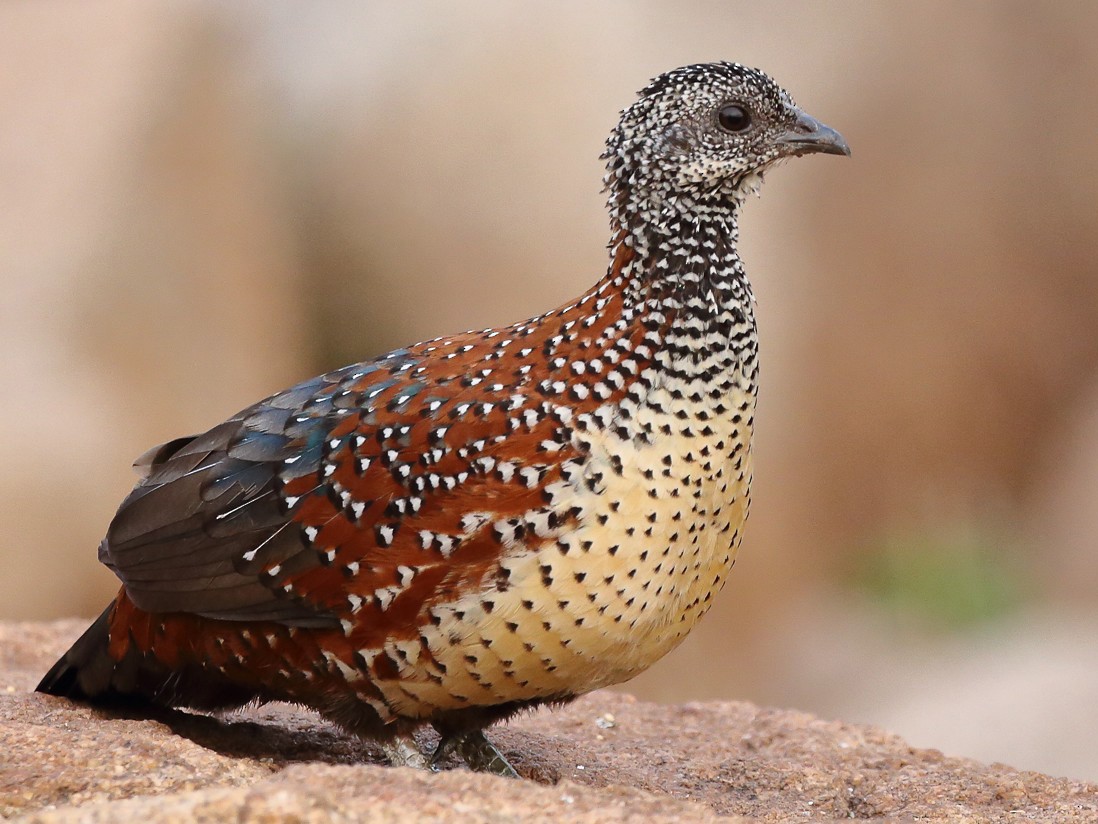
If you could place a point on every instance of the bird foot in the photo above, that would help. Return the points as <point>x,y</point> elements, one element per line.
<point>478,753</point>
<point>402,751</point>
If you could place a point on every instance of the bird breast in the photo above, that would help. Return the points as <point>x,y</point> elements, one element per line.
<point>660,525</point>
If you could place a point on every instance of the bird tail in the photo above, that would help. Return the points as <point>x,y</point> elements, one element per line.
<point>89,672</point>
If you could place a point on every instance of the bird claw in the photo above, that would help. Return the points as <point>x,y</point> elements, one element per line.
<point>402,751</point>
<point>478,753</point>
<point>473,748</point>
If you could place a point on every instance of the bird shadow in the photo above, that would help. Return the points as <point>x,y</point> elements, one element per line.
<point>279,736</point>
<point>282,735</point>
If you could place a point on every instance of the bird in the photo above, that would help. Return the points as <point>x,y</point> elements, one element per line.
<point>484,522</point>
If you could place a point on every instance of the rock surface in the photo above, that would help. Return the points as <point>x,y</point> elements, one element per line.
<point>607,757</point>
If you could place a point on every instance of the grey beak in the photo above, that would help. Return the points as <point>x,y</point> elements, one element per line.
<point>808,135</point>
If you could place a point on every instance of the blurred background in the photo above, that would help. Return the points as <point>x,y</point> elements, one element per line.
<point>202,202</point>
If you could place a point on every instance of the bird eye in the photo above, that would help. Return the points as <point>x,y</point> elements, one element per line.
<point>734,118</point>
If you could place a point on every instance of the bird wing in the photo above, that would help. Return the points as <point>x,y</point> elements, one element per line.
<point>381,486</point>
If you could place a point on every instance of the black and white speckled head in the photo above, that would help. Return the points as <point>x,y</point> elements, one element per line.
<point>701,137</point>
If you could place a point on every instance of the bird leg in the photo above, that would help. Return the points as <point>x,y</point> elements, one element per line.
<point>402,751</point>
<point>478,753</point>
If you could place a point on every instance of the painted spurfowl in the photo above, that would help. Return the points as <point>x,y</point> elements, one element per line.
<point>486,521</point>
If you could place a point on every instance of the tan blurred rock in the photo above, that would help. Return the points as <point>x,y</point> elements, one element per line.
<point>1063,523</point>
<point>1023,691</point>
<point>148,273</point>
<point>607,757</point>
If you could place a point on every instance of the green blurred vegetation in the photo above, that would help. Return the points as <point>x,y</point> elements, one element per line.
<point>943,580</point>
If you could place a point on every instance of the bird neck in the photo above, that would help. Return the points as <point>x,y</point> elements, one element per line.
<point>675,300</point>
<point>675,303</point>
<point>683,270</point>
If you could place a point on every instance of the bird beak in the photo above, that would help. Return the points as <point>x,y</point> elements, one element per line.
<point>808,135</point>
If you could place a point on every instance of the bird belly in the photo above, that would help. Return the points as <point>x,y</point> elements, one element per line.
<point>656,546</point>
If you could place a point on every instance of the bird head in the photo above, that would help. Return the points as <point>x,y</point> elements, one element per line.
<point>702,137</point>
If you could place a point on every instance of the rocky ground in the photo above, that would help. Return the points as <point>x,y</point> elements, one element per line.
<point>607,757</point>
